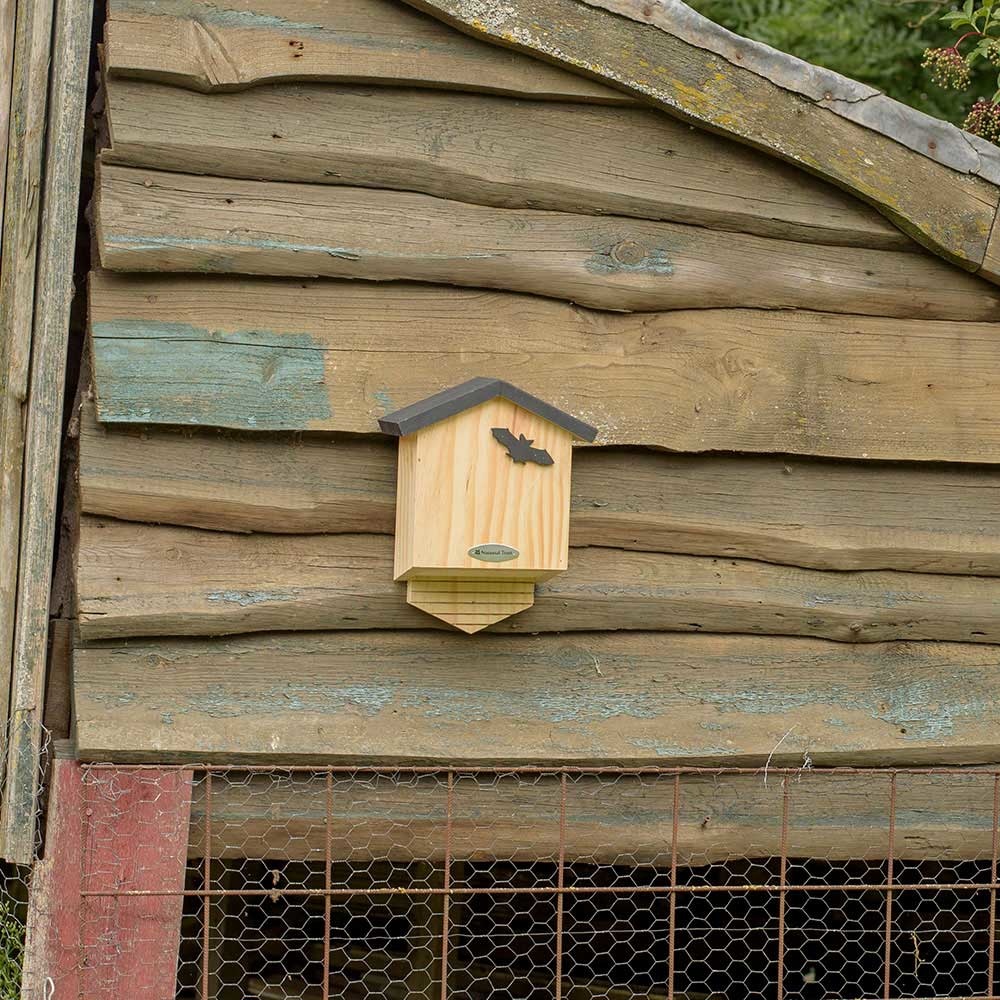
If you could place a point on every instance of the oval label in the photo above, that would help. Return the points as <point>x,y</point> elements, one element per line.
<point>493,552</point>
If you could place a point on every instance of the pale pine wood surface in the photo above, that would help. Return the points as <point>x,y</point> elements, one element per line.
<point>459,488</point>
<point>469,605</point>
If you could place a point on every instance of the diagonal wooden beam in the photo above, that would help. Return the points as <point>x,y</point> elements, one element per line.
<point>943,207</point>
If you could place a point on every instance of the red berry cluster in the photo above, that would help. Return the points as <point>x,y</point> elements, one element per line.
<point>984,120</point>
<point>947,68</point>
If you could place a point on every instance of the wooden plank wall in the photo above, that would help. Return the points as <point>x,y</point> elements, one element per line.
<point>786,544</point>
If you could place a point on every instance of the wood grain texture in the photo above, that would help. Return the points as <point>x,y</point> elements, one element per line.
<point>458,487</point>
<point>25,135</point>
<point>487,151</point>
<point>623,820</point>
<point>8,24</point>
<point>470,605</point>
<point>146,580</point>
<point>949,212</point>
<point>43,428</point>
<point>820,514</point>
<point>271,355</point>
<point>53,933</point>
<point>136,836</point>
<point>196,44</point>
<point>153,221</point>
<point>630,697</point>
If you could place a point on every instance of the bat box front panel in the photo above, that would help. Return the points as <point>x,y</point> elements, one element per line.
<point>459,488</point>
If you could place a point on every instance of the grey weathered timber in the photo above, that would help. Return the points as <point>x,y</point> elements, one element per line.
<point>138,579</point>
<point>510,154</point>
<point>201,45</point>
<point>24,145</point>
<point>924,134</point>
<point>43,432</point>
<point>950,211</point>
<point>154,221</point>
<point>630,697</point>
<point>624,820</point>
<point>821,514</point>
<point>267,354</point>
<point>8,11</point>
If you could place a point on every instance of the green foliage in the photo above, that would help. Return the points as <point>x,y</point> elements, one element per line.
<point>876,41</point>
<point>11,951</point>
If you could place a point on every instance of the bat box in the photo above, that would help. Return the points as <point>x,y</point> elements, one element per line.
<point>482,501</point>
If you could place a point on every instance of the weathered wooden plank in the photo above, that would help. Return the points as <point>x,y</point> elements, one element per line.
<point>146,580</point>
<point>136,836</point>
<point>43,429</point>
<point>827,515</point>
<point>154,221</point>
<point>623,820</point>
<point>25,142</point>
<point>8,22</point>
<point>511,154</point>
<point>267,354</point>
<point>630,697</point>
<point>196,44</point>
<point>52,943</point>
<point>949,211</point>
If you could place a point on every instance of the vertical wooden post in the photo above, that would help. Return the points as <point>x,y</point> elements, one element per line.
<point>24,145</point>
<point>53,291</point>
<point>136,829</point>
<point>52,947</point>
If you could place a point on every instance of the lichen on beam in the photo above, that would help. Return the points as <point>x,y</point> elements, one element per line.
<point>943,207</point>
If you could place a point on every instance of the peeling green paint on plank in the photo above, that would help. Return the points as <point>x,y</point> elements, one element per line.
<point>213,14</point>
<point>278,377</point>
<point>414,696</point>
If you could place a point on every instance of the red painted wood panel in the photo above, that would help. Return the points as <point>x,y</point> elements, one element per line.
<point>53,944</point>
<point>135,836</point>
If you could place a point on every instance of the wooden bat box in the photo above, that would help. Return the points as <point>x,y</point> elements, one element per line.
<point>482,499</point>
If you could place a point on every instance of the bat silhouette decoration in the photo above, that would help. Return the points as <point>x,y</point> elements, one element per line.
<point>519,448</point>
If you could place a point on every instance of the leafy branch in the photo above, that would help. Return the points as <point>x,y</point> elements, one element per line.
<point>951,68</point>
<point>11,952</point>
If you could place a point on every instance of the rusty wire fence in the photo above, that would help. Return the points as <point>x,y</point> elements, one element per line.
<point>579,884</point>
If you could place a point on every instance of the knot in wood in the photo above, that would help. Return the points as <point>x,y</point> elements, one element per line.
<point>629,252</point>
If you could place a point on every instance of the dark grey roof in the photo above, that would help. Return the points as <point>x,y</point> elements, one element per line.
<point>448,402</point>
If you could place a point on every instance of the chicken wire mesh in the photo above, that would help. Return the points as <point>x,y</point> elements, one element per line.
<point>15,885</point>
<point>14,882</point>
<point>584,884</point>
